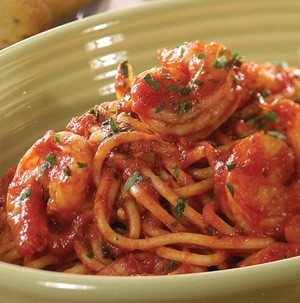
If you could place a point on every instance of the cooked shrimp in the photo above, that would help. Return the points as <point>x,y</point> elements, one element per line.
<point>195,90</point>
<point>257,195</point>
<point>289,111</point>
<point>50,185</point>
<point>270,81</point>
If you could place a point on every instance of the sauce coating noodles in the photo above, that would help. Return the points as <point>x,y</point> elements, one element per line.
<point>195,167</point>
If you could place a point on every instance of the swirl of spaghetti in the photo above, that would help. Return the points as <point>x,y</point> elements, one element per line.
<point>194,167</point>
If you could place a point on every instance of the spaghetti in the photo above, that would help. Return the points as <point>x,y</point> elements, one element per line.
<point>195,167</point>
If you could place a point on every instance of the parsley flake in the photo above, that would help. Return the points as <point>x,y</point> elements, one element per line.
<point>81,164</point>
<point>25,194</point>
<point>230,188</point>
<point>67,171</point>
<point>160,108</point>
<point>261,119</point>
<point>265,92</point>
<point>276,134</point>
<point>154,84</point>
<point>124,69</point>
<point>231,166</point>
<point>51,158</point>
<point>176,171</point>
<point>183,107</point>
<point>220,62</point>
<point>106,252</point>
<point>57,138</point>
<point>198,82</point>
<point>180,206</point>
<point>202,56</point>
<point>90,255</point>
<point>131,180</point>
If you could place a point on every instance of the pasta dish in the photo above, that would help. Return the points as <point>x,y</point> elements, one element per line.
<point>195,167</point>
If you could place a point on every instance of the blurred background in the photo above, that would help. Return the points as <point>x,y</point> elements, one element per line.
<point>20,19</point>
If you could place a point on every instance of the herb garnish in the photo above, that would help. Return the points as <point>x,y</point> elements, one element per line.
<point>90,255</point>
<point>170,266</point>
<point>180,206</point>
<point>81,164</point>
<point>261,119</point>
<point>112,125</point>
<point>230,188</point>
<point>160,108</point>
<point>50,160</point>
<point>67,171</point>
<point>183,107</point>
<point>264,92</point>
<point>105,251</point>
<point>231,166</point>
<point>149,80</point>
<point>131,180</point>
<point>276,134</point>
<point>57,138</point>
<point>202,56</point>
<point>176,171</point>
<point>220,62</point>
<point>184,91</point>
<point>25,194</point>
<point>124,69</point>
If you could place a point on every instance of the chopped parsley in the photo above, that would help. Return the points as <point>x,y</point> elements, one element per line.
<point>198,82</point>
<point>235,79</point>
<point>184,91</point>
<point>261,119</point>
<point>124,69</point>
<point>170,266</point>
<point>105,251</point>
<point>154,84</point>
<point>202,56</point>
<point>57,138</point>
<point>81,164</point>
<point>180,206</point>
<point>276,134</point>
<point>230,188</point>
<point>220,62</point>
<point>236,60</point>
<point>231,166</point>
<point>50,159</point>
<point>93,112</point>
<point>25,194</point>
<point>112,125</point>
<point>90,255</point>
<point>176,171</point>
<point>67,171</point>
<point>183,107</point>
<point>131,180</point>
<point>160,108</point>
<point>264,92</point>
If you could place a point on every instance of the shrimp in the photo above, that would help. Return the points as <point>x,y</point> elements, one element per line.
<point>195,90</point>
<point>50,186</point>
<point>270,81</point>
<point>259,185</point>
